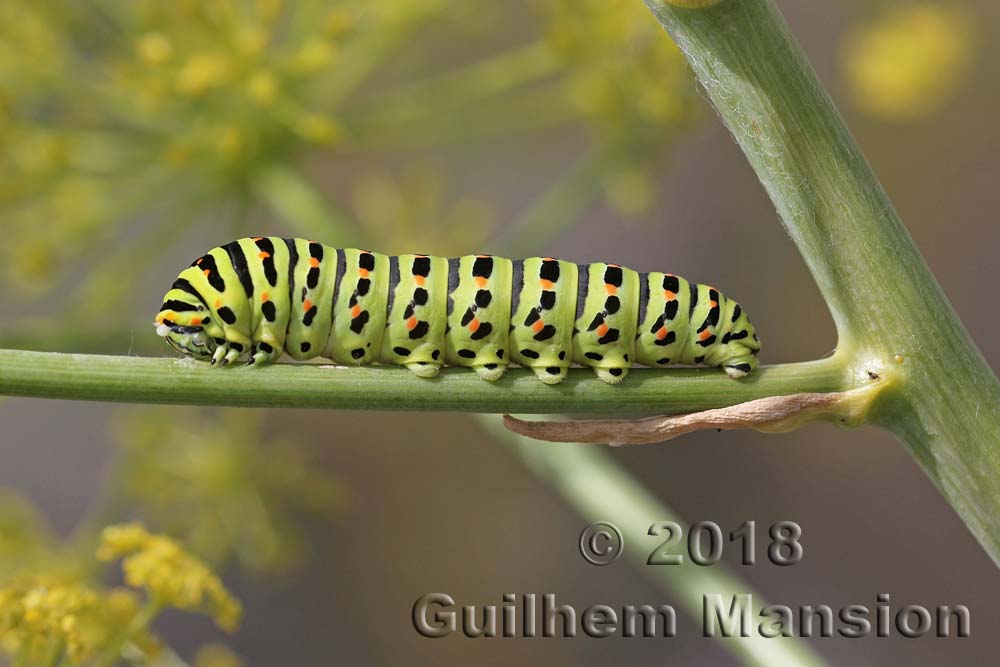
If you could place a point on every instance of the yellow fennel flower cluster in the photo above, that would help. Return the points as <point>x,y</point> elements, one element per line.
<point>147,114</point>
<point>624,74</point>
<point>43,617</point>
<point>909,61</point>
<point>629,82</point>
<point>415,210</point>
<point>37,613</point>
<point>170,576</point>
<point>54,611</point>
<point>210,479</point>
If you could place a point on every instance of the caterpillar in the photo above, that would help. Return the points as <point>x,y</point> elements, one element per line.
<point>259,297</point>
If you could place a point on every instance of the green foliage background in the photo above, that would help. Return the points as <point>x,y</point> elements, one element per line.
<point>133,135</point>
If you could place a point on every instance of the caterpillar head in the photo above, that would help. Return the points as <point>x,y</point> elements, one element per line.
<point>182,323</point>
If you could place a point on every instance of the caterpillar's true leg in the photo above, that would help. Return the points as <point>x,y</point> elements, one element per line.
<point>424,369</point>
<point>490,372</point>
<point>263,353</point>
<point>232,354</point>
<point>221,351</point>
<point>611,375</point>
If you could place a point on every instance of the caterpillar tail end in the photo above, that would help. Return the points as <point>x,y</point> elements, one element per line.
<point>739,368</point>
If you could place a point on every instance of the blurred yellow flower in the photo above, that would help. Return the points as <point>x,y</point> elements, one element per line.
<point>42,616</point>
<point>209,478</point>
<point>53,610</point>
<point>154,48</point>
<point>624,74</point>
<point>412,213</point>
<point>216,655</point>
<point>38,612</point>
<point>24,537</point>
<point>171,576</point>
<point>909,61</point>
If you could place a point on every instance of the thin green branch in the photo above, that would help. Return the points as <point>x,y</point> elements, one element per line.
<point>890,312</point>
<point>554,211</point>
<point>304,207</point>
<point>601,490</point>
<point>458,87</point>
<point>183,381</point>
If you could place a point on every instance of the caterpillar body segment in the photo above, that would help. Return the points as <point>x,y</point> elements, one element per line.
<point>415,330</point>
<point>256,298</point>
<point>543,303</point>
<point>608,310</point>
<point>479,298</point>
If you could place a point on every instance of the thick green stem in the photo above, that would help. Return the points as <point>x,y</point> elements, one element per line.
<point>182,381</point>
<point>891,314</point>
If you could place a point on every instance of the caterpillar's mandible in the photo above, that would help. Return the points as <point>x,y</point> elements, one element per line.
<point>257,297</point>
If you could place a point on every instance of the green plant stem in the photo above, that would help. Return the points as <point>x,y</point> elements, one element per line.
<point>139,623</point>
<point>884,299</point>
<point>303,206</point>
<point>57,649</point>
<point>553,212</point>
<point>601,490</point>
<point>457,88</point>
<point>182,381</point>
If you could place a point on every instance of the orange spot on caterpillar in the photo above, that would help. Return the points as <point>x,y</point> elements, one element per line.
<point>419,280</point>
<point>713,304</point>
<point>547,259</point>
<point>264,297</point>
<point>668,295</point>
<point>207,272</point>
<point>307,304</point>
<point>661,333</point>
<point>218,303</point>
<point>256,238</point>
<point>263,254</point>
<point>610,289</point>
<point>313,262</point>
<point>481,282</point>
<point>602,330</point>
<point>474,325</point>
<point>363,273</point>
<point>195,321</point>
<point>704,334</point>
<point>546,284</point>
<point>199,260</point>
<point>412,322</point>
<point>538,326</point>
<point>355,311</point>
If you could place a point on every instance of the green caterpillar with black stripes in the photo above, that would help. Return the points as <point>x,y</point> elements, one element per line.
<point>256,298</point>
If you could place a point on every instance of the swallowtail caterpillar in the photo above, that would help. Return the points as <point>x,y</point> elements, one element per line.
<point>257,297</point>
